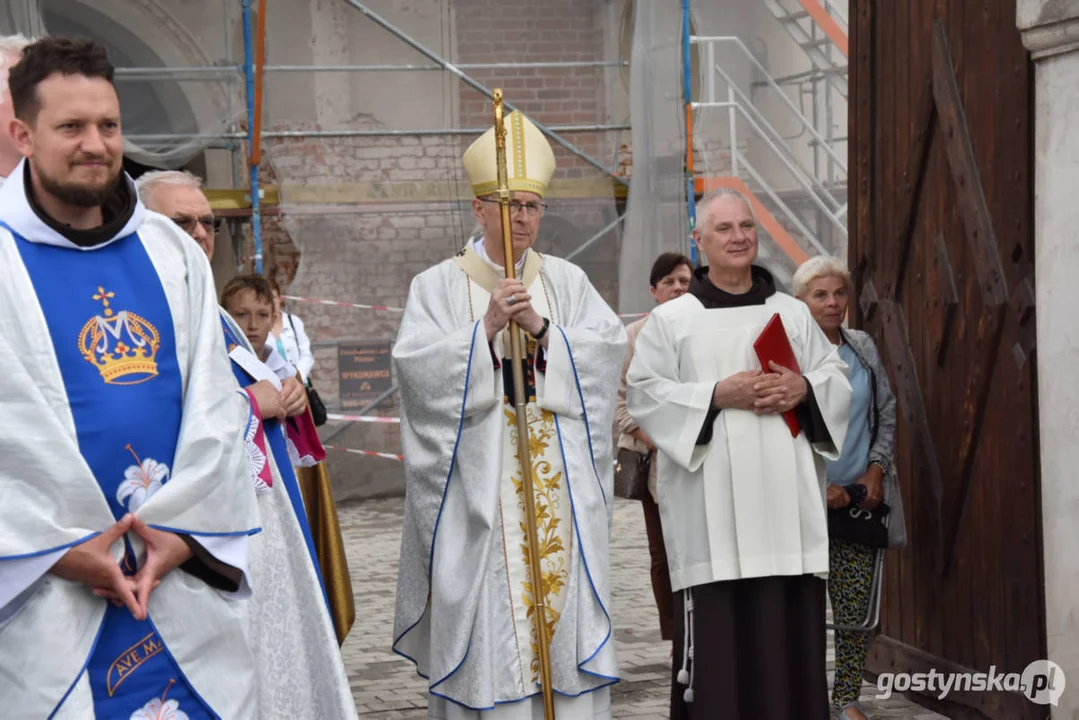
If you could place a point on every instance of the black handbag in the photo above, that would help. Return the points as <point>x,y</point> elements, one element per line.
<point>631,471</point>
<point>857,525</point>
<point>314,400</point>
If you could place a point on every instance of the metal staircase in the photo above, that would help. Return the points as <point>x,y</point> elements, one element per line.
<point>797,182</point>
<point>820,29</point>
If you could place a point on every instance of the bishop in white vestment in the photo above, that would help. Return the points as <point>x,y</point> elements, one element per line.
<point>742,502</point>
<point>465,592</point>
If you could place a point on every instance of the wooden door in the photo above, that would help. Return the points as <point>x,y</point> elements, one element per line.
<point>942,252</point>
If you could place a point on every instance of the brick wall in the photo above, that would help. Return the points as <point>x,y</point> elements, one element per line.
<point>532,31</point>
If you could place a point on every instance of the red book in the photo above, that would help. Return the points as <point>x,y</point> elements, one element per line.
<point>773,345</point>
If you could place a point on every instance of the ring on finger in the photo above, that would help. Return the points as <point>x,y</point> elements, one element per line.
<point>511,299</point>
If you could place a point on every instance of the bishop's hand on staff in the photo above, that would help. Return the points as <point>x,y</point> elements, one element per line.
<point>465,592</point>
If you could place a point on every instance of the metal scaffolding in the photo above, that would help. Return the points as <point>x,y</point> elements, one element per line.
<point>233,72</point>
<point>253,70</point>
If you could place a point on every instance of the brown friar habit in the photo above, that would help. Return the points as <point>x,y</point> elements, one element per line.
<point>758,644</point>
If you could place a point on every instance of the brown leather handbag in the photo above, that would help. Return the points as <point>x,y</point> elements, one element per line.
<point>631,471</point>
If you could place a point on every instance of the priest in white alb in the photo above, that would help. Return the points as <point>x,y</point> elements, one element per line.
<point>126,504</point>
<point>464,595</point>
<point>742,501</point>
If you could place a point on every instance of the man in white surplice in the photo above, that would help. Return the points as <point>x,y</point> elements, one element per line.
<point>464,603</point>
<point>741,500</point>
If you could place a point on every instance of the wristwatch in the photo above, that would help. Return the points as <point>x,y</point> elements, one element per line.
<point>543,330</point>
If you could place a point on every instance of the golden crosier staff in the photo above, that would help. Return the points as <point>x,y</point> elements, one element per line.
<point>539,614</point>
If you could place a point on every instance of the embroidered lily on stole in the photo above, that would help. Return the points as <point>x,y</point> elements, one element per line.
<point>161,709</point>
<point>141,481</point>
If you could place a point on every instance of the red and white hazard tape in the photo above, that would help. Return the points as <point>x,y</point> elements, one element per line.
<point>316,301</point>
<point>363,418</point>
<point>387,308</point>
<point>369,453</point>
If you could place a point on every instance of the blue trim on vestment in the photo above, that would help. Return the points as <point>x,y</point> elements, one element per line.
<point>451,673</point>
<point>39,553</point>
<point>199,533</point>
<point>277,447</point>
<point>438,518</point>
<point>584,559</point>
<point>85,666</point>
<point>526,697</point>
<point>188,684</point>
<point>584,412</point>
<point>277,441</point>
<point>565,466</point>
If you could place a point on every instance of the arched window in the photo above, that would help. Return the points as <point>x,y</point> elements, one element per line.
<point>138,34</point>
<point>147,106</point>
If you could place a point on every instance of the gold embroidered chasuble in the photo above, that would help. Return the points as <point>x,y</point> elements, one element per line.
<point>554,523</point>
<point>464,591</point>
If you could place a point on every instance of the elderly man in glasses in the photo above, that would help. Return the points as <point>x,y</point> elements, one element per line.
<point>178,196</point>
<point>465,601</point>
<point>291,614</point>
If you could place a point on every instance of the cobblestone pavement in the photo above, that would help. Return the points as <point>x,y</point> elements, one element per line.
<point>386,686</point>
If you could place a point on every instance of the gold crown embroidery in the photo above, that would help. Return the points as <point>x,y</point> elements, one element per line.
<point>120,344</point>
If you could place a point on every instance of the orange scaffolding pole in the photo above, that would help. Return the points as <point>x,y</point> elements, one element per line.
<point>260,63</point>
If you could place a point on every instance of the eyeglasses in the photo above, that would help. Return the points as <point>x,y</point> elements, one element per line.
<point>209,223</point>
<point>531,209</point>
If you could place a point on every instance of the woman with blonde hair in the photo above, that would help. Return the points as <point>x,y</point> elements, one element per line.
<point>862,477</point>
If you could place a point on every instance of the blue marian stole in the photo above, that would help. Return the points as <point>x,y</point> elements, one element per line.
<point>275,439</point>
<point>112,332</point>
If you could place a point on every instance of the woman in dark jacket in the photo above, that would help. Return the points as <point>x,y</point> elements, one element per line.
<point>863,475</point>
